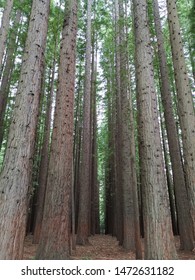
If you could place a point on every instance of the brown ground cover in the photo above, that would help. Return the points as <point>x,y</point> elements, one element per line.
<point>102,247</point>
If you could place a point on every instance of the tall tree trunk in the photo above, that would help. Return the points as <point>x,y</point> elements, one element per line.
<point>126,168</point>
<point>185,104</point>
<point>191,38</point>
<point>118,124</point>
<point>78,135</point>
<point>4,29</point>
<point>169,176</point>
<point>6,78</point>
<point>94,180</point>
<point>43,169</point>
<point>159,241</point>
<point>84,195</point>
<point>16,173</point>
<point>138,243</point>
<point>55,234</point>
<point>110,175</point>
<point>77,142</point>
<point>184,216</point>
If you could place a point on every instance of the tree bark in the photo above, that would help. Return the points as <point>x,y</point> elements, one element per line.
<point>118,124</point>
<point>185,104</point>
<point>83,230</point>
<point>4,29</point>
<point>6,78</point>
<point>158,236</point>
<point>138,243</point>
<point>55,234</point>
<point>169,176</point>
<point>110,212</point>
<point>126,168</point>
<point>16,173</point>
<point>94,180</point>
<point>43,169</point>
<point>184,216</point>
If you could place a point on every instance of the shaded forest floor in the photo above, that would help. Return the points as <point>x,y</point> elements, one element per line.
<point>102,247</point>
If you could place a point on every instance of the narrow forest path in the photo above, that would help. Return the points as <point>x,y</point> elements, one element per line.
<point>102,247</point>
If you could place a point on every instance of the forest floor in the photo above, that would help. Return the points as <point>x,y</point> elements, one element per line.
<point>102,247</point>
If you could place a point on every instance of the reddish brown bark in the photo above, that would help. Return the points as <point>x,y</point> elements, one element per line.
<point>55,234</point>
<point>15,178</point>
<point>184,216</point>
<point>83,229</point>
<point>43,169</point>
<point>185,105</point>
<point>158,236</point>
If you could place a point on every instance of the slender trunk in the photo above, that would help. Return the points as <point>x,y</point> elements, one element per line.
<point>184,216</point>
<point>138,243</point>
<point>43,169</point>
<point>6,79</point>
<point>4,29</point>
<point>169,176</point>
<point>126,168</point>
<point>118,155</point>
<point>110,175</point>
<point>94,181</point>
<point>84,195</point>
<point>185,105</point>
<point>77,143</point>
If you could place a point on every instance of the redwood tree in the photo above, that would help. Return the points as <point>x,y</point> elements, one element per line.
<point>184,216</point>
<point>126,168</point>
<point>5,28</point>
<point>7,73</point>
<point>16,174</point>
<point>185,103</point>
<point>55,235</point>
<point>83,230</point>
<point>158,236</point>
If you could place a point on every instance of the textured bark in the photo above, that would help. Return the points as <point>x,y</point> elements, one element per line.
<point>185,103</point>
<point>43,169</point>
<point>16,173</point>
<point>118,124</point>
<point>110,212</point>
<point>77,142</point>
<point>158,236</point>
<point>55,234</point>
<point>126,168</point>
<point>83,230</point>
<point>184,216</point>
<point>95,225</point>
<point>112,166</point>
<point>6,78</point>
<point>77,158</point>
<point>138,243</point>
<point>191,54</point>
<point>4,29</point>
<point>169,177</point>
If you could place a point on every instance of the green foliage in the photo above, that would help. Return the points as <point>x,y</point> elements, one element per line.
<point>2,4</point>
<point>103,152</point>
<point>192,26</point>
<point>24,6</point>
<point>186,11</point>
<point>18,43</point>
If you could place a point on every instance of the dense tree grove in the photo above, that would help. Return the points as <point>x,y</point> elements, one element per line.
<point>97,125</point>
